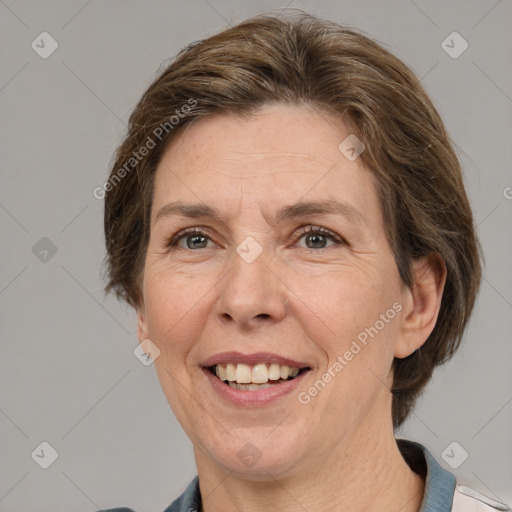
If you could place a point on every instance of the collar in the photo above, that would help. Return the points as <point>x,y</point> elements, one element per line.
<point>439,483</point>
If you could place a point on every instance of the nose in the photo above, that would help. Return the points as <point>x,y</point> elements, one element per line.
<point>251,294</point>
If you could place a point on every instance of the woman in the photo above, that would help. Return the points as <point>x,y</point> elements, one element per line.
<point>288,218</point>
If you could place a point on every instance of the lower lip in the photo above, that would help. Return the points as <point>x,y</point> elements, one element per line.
<point>253,398</point>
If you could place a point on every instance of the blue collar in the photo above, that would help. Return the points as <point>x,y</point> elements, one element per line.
<point>439,483</point>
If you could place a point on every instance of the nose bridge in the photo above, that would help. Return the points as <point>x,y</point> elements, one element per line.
<point>251,289</point>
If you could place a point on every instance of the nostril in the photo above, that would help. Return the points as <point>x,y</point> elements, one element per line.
<point>263,315</point>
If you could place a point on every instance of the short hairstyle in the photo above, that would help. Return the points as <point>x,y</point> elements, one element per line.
<point>303,60</point>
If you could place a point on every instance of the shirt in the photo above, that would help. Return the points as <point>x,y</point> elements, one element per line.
<point>439,483</point>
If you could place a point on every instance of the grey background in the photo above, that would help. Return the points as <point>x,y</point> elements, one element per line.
<point>68,373</point>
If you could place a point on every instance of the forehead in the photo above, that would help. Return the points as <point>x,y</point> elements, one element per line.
<point>281,154</point>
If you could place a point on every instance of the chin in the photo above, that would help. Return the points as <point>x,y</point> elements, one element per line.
<point>264,469</point>
<point>258,457</point>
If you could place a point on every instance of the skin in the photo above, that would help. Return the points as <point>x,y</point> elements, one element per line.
<point>308,303</point>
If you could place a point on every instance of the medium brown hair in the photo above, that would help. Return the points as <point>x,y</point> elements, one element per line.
<point>304,60</point>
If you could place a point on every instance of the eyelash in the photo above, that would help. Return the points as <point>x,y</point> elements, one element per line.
<point>172,242</point>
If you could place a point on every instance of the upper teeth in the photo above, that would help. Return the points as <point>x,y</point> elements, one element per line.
<point>259,374</point>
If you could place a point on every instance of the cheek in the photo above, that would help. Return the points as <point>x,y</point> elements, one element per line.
<point>356,329</point>
<point>345,301</point>
<point>354,320</point>
<point>175,309</point>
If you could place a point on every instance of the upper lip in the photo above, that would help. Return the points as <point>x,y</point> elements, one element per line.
<point>250,359</point>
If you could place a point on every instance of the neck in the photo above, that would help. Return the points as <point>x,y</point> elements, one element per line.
<point>366,472</point>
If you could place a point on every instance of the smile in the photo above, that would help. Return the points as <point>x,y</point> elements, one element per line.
<point>254,377</point>
<point>253,380</point>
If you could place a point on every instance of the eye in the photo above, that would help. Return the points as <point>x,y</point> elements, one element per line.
<point>316,237</point>
<point>192,238</point>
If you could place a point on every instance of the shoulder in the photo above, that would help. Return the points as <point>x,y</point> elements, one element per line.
<point>469,500</point>
<point>443,492</point>
<point>189,501</point>
<point>119,509</point>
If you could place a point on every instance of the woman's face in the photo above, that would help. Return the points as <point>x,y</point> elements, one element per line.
<point>264,283</point>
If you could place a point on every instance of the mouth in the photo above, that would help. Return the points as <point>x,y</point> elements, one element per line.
<point>255,377</point>
<point>253,380</point>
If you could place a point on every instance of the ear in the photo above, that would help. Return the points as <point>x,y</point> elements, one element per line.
<point>422,303</point>
<point>142,326</point>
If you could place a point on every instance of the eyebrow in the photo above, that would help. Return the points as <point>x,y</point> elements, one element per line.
<point>289,212</point>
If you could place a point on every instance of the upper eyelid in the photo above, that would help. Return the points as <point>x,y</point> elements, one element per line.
<point>299,233</point>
